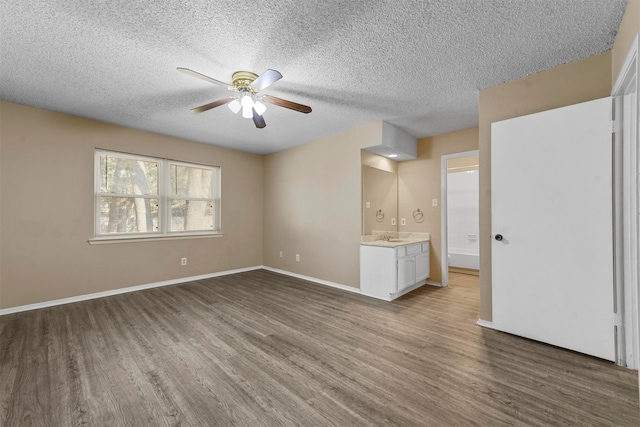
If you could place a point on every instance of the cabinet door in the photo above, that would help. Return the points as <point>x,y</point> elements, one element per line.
<point>406,272</point>
<point>422,266</point>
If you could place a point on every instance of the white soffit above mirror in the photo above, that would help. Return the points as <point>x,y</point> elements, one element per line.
<point>396,144</point>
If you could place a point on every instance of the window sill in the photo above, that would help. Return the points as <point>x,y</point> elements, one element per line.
<point>113,240</point>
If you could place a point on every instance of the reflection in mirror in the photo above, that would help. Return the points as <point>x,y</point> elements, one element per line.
<point>380,200</point>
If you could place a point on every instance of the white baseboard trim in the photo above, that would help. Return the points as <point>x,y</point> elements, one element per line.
<point>313,279</point>
<point>485,324</point>
<point>86,297</point>
<point>103,294</point>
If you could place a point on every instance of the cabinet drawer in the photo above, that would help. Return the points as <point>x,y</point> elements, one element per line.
<point>425,247</point>
<point>400,252</point>
<point>413,249</point>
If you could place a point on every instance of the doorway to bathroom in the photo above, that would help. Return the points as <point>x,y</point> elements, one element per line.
<point>460,214</point>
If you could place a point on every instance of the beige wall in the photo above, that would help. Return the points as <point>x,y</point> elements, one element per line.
<point>629,28</point>
<point>569,84</point>
<point>312,206</point>
<point>46,188</point>
<point>419,183</point>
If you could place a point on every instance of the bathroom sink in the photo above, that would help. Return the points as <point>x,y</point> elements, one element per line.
<point>397,240</point>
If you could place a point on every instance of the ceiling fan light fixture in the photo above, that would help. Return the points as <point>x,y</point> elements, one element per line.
<point>259,107</point>
<point>247,105</point>
<point>235,106</point>
<point>247,85</point>
<point>246,101</point>
<point>247,112</point>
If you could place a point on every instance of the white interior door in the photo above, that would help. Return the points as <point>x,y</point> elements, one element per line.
<point>551,186</point>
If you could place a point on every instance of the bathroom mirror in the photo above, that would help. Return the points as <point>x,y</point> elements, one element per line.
<point>379,200</point>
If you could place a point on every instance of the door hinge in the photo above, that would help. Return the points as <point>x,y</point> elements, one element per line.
<point>613,114</point>
<point>617,320</point>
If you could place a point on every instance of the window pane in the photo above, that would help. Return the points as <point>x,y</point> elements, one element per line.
<point>191,182</point>
<point>191,215</point>
<point>128,176</point>
<point>128,215</point>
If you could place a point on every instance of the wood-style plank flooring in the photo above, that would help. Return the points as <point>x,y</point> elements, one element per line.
<point>263,349</point>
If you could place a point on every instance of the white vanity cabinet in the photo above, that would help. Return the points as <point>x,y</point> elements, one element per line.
<point>406,272</point>
<point>422,265</point>
<point>389,272</point>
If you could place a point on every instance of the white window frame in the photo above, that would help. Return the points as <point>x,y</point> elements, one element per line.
<point>164,198</point>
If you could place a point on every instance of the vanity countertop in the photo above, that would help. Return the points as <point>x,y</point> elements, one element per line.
<point>396,239</point>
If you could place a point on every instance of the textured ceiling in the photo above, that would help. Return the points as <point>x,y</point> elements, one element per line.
<point>416,64</point>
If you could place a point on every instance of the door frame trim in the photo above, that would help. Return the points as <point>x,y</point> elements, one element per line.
<point>625,208</point>
<point>444,264</point>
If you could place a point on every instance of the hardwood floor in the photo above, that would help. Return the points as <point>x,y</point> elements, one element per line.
<point>263,349</point>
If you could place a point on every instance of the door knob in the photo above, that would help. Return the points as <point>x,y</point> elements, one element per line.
<point>499,237</point>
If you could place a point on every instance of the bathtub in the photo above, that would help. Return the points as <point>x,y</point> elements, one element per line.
<point>464,258</point>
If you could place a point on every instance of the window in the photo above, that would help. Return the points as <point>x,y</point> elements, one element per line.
<point>146,197</point>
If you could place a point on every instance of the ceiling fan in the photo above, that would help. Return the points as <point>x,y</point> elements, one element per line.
<point>247,86</point>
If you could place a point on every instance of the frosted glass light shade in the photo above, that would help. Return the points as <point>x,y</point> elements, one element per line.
<point>259,107</point>
<point>246,101</point>
<point>247,105</point>
<point>235,106</point>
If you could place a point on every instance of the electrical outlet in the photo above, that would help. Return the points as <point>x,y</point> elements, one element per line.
<point>403,221</point>
<point>393,221</point>
<point>280,254</point>
<point>434,202</point>
<point>183,261</point>
<point>368,205</point>
<point>298,257</point>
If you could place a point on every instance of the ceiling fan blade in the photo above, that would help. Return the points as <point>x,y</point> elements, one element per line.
<point>287,104</point>
<point>211,105</point>
<point>265,80</point>
<point>258,120</point>
<point>203,77</point>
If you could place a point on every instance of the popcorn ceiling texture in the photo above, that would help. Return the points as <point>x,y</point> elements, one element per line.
<point>416,64</point>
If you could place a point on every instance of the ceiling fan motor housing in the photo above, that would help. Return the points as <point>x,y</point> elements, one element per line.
<point>242,80</point>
